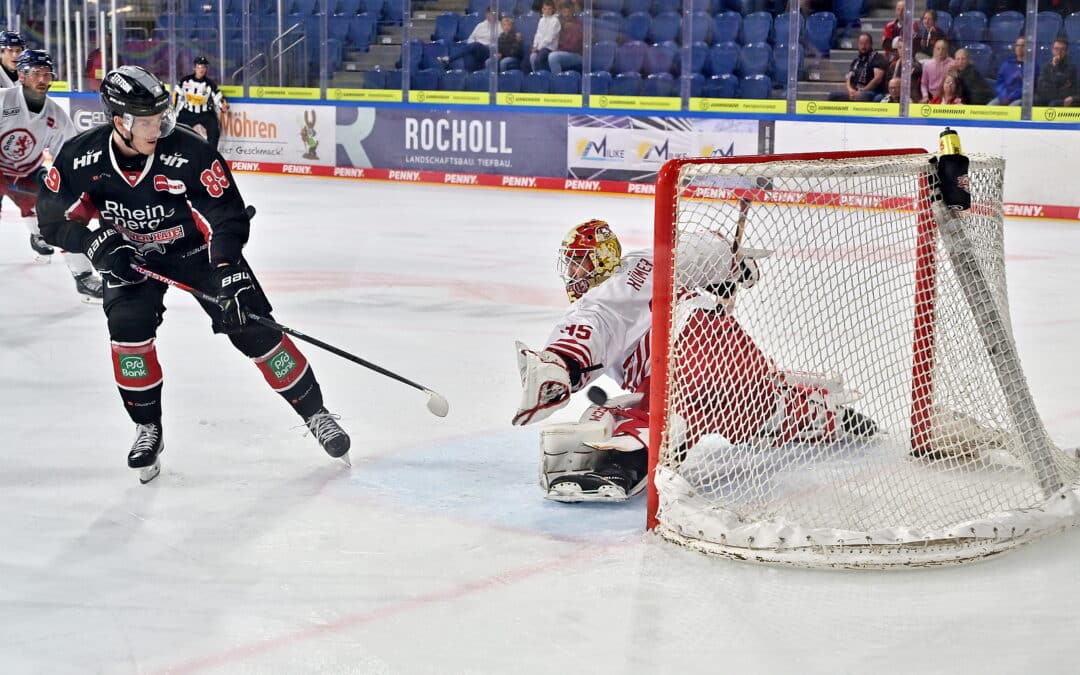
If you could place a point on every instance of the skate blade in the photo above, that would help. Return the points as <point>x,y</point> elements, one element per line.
<point>571,493</point>
<point>43,259</point>
<point>149,473</point>
<point>345,460</point>
<point>90,301</point>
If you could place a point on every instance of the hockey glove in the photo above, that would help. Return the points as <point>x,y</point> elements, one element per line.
<point>545,384</point>
<point>235,293</point>
<point>111,254</point>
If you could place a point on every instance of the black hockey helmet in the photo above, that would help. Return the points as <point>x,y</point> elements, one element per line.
<point>34,58</point>
<point>202,61</point>
<point>10,38</point>
<point>133,91</point>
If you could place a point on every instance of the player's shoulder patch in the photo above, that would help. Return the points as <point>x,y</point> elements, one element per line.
<point>84,150</point>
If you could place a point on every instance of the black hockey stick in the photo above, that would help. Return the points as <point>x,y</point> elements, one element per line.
<point>437,404</point>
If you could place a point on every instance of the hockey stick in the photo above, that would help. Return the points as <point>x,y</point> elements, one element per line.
<point>437,404</point>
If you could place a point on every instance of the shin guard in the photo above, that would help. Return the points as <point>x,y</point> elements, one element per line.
<point>287,372</point>
<point>138,377</point>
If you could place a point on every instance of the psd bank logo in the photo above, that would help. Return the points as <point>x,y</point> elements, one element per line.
<point>592,150</point>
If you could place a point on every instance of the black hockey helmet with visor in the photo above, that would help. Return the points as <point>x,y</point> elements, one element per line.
<point>132,91</point>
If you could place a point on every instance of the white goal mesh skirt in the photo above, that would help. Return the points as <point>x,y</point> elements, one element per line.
<point>862,404</point>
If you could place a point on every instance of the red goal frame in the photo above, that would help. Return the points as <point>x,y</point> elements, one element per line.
<point>664,219</point>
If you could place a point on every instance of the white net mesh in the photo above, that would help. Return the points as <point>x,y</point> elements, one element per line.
<point>862,403</point>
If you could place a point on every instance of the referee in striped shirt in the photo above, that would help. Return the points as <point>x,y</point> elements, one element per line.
<point>197,100</point>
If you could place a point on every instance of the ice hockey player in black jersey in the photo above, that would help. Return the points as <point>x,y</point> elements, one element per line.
<point>198,101</point>
<point>167,201</point>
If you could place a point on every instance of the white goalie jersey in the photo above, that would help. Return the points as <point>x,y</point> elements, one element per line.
<point>611,325</point>
<point>24,135</point>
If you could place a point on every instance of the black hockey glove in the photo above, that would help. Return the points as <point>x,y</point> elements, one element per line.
<point>111,254</point>
<point>235,293</point>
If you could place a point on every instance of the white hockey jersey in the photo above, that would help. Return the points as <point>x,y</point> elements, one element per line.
<point>6,81</point>
<point>611,324</point>
<point>24,135</point>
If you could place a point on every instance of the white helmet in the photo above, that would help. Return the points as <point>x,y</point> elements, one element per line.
<point>704,259</point>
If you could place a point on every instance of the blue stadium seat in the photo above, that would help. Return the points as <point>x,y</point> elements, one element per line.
<point>726,27</point>
<point>701,25</point>
<point>981,56</point>
<point>606,27</point>
<point>374,79</point>
<point>631,6</point>
<point>820,29</point>
<point>629,57</point>
<point>466,24</point>
<point>373,7</point>
<point>723,59</point>
<point>478,6</point>
<point>607,6</point>
<point>1005,27</point>
<point>699,56</point>
<point>958,6</point>
<point>721,86</point>
<point>944,22</point>
<point>603,56</point>
<point>664,6</point>
<point>394,11</point>
<point>969,27</point>
<point>302,7</point>
<point>1047,27</point>
<point>754,59</point>
<point>661,58</point>
<point>697,85</point>
<point>502,8</point>
<point>665,27</point>
<point>781,25</point>
<point>416,54</point>
<point>698,6</point>
<point>659,84</point>
<point>756,28</point>
<point>538,82</point>
<point>446,26</point>
<point>848,12</point>
<point>348,7</point>
<point>1072,28</point>
<point>511,80</point>
<point>599,83</point>
<point>636,26</point>
<point>745,7</point>
<point>626,84</point>
<point>567,82</point>
<point>453,80</point>
<point>755,86</point>
<point>393,79</point>
<point>426,79</point>
<point>362,31</point>
<point>479,80</point>
<point>780,63</point>
<point>432,52</point>
<point>339,27</point>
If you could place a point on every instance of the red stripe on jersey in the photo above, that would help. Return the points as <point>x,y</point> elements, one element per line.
<point>200,222</point>
<point>135,366</point>
<point>573,349</point>
<point>636,366</point>
<point>82,211</point>
<point>283,365</point>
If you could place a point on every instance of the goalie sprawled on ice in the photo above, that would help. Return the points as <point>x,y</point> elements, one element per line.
<point>603,456</point>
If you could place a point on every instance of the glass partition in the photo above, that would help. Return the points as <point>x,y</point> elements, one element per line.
<point>918,58</point>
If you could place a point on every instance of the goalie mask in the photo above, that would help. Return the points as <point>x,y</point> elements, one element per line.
<point>590,253</point>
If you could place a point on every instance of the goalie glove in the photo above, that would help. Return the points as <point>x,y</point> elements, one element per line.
<point>545,384</point>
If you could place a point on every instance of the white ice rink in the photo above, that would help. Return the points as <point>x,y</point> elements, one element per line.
<point>254,552</point>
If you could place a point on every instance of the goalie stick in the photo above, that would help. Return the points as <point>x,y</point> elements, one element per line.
<point>437,404</point>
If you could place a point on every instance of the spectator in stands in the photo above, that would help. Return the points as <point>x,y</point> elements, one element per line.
<point>547,36</point>
<point>928,36</point>
<point>950,91</point>
<point>509,46</point>
<point>896,67</point>
<point>93,70</point>
<point>1056,84</point>
<point>895,29</point>
<point>935,69</point>
<point>568,55</point>
<point>973,86</point>
<point>476,49</point>
<point>1009,86</point>
<point>894,91</point>
<point>866,78</point>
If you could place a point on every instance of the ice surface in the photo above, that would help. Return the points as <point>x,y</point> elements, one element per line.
<point>254,552</point>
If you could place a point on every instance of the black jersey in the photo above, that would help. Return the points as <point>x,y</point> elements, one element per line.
<point>198,95</point>
<point>174,201</point>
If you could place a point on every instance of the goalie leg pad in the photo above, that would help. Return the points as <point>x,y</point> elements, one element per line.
<point>564,449</point>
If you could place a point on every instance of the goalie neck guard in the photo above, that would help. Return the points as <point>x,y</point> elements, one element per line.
<point>590,253</point>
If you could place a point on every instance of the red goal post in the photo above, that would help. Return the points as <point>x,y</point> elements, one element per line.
<point>856,246</point>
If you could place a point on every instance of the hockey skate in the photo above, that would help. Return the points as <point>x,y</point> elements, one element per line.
<point>148,446</point>
<point>89,287</point>
<point>617,477</point>
<point>43,250</point>
<point>333,439</point>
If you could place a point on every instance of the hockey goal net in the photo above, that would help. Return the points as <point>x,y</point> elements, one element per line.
<point>862,404</point>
